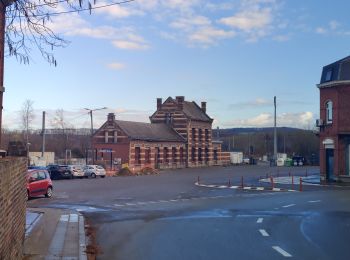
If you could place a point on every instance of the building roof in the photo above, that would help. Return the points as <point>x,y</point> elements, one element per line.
<point>149,132</point>
<point>193,111</point>
<point>336,71</point>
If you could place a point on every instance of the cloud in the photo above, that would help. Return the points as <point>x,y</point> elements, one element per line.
<point>116,66</point>
<point>301,120</point>
<point>209,35</point>
<point>117,11</point>
<point>130,45</point>
<point>249,20</point>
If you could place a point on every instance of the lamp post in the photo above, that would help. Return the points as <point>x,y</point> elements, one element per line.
<point>92,128</point>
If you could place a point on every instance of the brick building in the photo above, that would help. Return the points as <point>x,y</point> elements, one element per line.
<point>334,122</point>
<point>179,135</point>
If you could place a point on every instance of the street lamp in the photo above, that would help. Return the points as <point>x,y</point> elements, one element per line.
<point>92,128</point>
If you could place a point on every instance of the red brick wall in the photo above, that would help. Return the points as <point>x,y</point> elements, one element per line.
<point>340,96</point>
<point>12,207</point>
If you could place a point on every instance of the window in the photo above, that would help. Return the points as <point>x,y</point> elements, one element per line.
<point>148,155</point>
<point>137,155</point>
<point>181,154</point>
<point>193,134</point>
<point>206,155</point>
<point>329,112</point>
<point>193,154</point>
<point>200,154</point>
<point>206,135</point>
<point>328,75</point>
<point>173,151</point>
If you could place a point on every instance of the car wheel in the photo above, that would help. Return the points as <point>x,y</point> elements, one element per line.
<point>48,192</point>
<point>93,175</point>
<point>102,176</point>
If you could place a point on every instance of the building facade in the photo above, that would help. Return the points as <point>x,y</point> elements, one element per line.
<point>334,122</point>
<point>179,135</point>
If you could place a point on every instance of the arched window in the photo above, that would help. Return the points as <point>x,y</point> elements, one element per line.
<point>329,111</point>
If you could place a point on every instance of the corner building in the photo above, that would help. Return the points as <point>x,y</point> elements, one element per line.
<point>334,123</point>
<point>178,136</point>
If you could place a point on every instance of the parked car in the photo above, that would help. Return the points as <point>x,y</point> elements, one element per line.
<point>38,183</point>
<point>59,172</point>
<point>76,171</point>
<point>94,170</point>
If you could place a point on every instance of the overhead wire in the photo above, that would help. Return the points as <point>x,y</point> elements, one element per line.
<point>78,10</point>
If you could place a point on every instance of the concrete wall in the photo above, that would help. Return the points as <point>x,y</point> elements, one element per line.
<point>12,206</point>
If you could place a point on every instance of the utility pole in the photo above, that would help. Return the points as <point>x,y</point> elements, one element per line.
<point>43,134</point>
<point>275,135</point>
<point>92,130</point>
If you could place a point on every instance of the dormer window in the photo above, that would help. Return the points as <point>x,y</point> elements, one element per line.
<point>328,75</point>
<point>329,112</point>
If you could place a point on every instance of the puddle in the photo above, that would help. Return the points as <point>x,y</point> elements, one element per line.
<point>79,208</point>
<point>202,214</point>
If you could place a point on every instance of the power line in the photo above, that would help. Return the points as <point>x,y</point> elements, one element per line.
<point>76,11</point>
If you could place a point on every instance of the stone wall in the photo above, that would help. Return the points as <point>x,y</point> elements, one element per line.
<point>12,206</point>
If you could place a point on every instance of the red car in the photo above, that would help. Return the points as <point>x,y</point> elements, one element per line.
<point>38,183</point>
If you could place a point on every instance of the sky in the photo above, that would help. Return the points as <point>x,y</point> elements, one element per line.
<point>235,55</point>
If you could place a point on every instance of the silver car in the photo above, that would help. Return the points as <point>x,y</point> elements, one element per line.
<point>76,171</point>
<point>94,170</point>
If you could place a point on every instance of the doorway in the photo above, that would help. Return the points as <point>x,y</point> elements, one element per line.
<point>329,164</point>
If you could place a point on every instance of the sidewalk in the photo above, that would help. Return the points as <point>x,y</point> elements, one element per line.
<point>54,234</point>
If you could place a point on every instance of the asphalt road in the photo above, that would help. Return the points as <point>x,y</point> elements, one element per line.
<point>167,217</point>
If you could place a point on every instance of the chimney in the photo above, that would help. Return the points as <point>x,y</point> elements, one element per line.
<point>180,101</point>
<point>159,103</point>
<point>111,117</point>
<point>204,107</point>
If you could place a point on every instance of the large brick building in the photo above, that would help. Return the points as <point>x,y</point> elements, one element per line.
<point>179,135</point>
<point>334,123</point>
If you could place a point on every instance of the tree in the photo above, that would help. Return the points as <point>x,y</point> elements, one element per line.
<point>25,22</point>
<point>27,117</point>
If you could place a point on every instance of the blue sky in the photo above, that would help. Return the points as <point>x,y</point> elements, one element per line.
<point>236,55</point>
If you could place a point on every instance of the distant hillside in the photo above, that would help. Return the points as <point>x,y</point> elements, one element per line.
<point>253,130</point>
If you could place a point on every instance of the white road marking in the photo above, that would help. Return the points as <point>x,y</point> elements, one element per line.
<point>260,220</point>
<point>314,201</point>
<point>276,189</point>
<point>281,251</point>
<point>173,200</point>
<point>247,188</point>
<point>162,201</point>
<point>264,233</point>
<point>287,206</point>
<point>234,187</point>
<point>64,218</point>
<point>73,217</point>
<point>130,204</point>
<point>141,203</point>
<point>260,188</point>
<point>119,205</point>
<point>222,186</point>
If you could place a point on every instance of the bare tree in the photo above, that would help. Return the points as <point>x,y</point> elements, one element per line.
<point>27,117</point>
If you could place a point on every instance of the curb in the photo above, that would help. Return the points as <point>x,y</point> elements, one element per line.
<point>242,188</point>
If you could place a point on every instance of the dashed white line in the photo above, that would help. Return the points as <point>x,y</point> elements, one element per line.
<point>130,204</point>
<point>260,220</point>
<point>173,200</point>
<point>247,188</point>
<point>281,251</point>
<point>264,233</point>
<point>233,187</point>
<point>119,205</point>
<point>314,201</point>
<point>260,188</point>
<point>289,205</point>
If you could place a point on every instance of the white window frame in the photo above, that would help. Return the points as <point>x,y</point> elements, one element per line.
<point>329,112</point>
